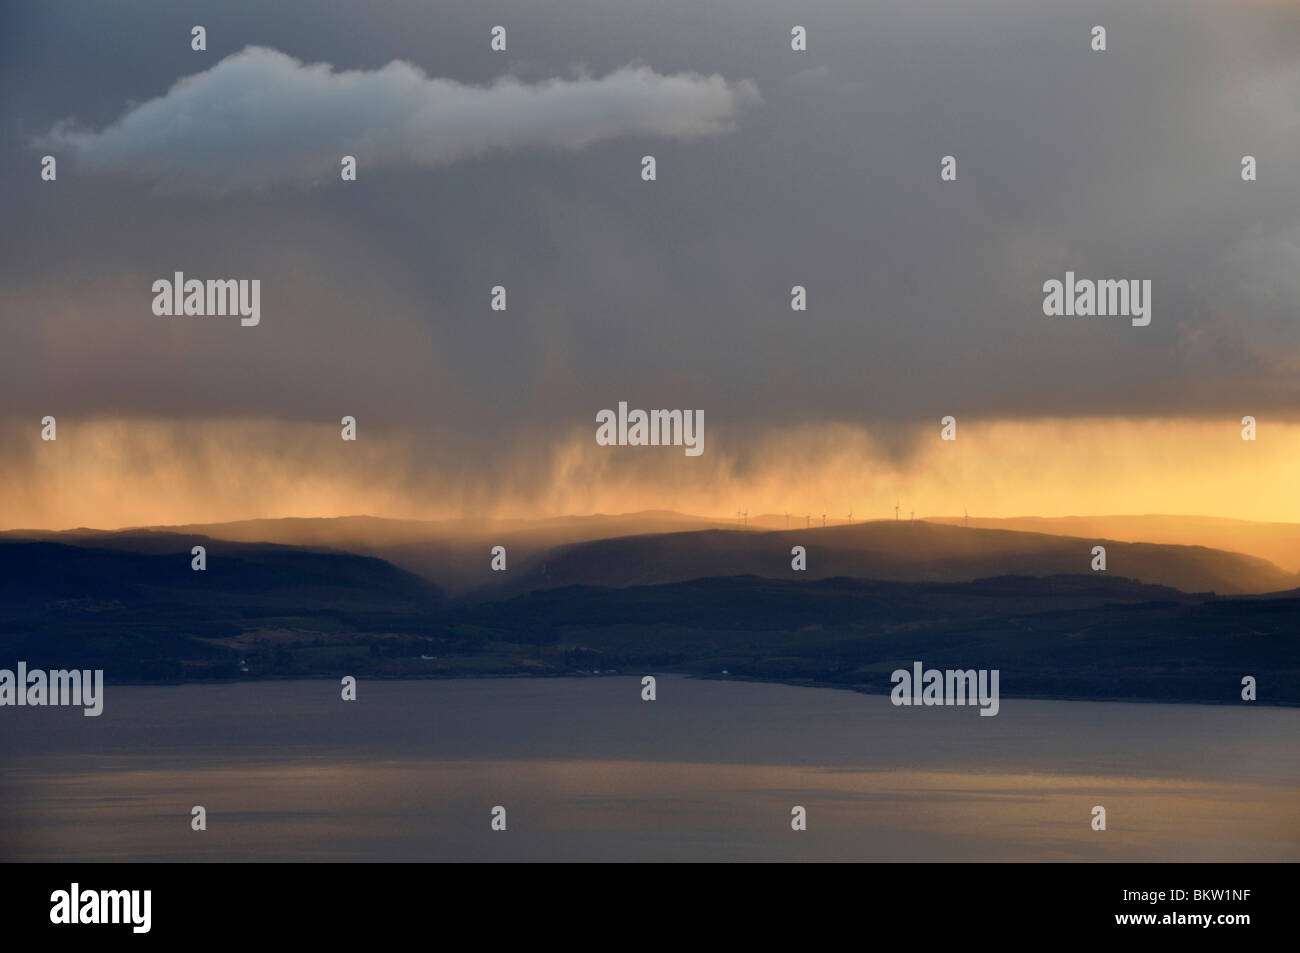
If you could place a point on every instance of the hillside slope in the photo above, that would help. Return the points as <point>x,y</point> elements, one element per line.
<point>888,550</point>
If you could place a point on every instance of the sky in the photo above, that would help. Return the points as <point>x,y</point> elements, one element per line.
<point>523,169</point>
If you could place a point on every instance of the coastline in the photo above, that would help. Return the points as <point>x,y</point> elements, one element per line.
<point>793,683</point>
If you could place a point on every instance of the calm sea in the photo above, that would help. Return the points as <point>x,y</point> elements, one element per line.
<point>586,770</point>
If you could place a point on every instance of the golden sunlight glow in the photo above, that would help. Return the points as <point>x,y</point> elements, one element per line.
<point>110,474</point>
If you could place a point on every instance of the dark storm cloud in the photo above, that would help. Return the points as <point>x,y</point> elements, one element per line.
<point>925,297</point>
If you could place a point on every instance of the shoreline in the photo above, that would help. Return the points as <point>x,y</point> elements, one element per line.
<point>793,683</point>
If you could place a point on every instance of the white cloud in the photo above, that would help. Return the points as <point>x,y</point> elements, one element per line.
<point>261,117</point>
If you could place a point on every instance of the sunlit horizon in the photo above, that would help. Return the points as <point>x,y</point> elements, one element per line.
<point>122,474</point>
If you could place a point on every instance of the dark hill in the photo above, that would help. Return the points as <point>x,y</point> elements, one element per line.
<point>888,550</point>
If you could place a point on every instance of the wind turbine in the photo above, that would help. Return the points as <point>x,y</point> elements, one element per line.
<point>850,517</point>
<point>823,521</point>
<point>808,521</point>
<point>746,517</point>
<point>913,516</point>
<point>895,512</point>
<point>965,517</point>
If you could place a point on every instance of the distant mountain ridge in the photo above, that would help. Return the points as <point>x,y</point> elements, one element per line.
<point>896,551</point>
<point>659,547</point>
<point>1279,543</point>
